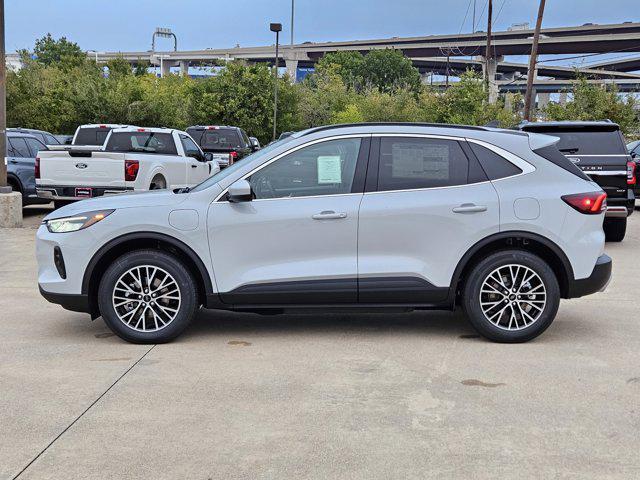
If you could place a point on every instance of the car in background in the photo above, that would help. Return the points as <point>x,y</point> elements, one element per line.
<point>368,216</point>
<point>598,149</point>
<point>45,137</point>
<point>634,150</point>
<point>132,159</point>
<point>64,139</point>
<point>226,144</point>
<point>255,143</point>
<point>94,134</point>
<point>22,150</point>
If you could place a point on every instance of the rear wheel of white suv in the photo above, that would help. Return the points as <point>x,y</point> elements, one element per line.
<point>147,296</point>
<point>511,296</point>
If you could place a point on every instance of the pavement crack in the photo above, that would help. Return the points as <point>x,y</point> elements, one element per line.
<point>82,414</point>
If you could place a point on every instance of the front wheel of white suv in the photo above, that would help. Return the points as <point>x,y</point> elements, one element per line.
<point>147,296</point>
<point>511,296</point>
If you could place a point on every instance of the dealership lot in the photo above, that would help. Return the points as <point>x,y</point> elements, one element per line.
<point>308,396</point>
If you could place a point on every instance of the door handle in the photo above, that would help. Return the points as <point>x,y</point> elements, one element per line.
<point>194,166</point>
<point>470,208</point>
<point>329,215</point>
<point>13,161</point>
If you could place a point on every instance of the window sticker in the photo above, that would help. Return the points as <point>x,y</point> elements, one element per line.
<point>329,169</point>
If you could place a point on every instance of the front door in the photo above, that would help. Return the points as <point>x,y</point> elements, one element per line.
<point>426,204</point>
<point>296,241</point>
<point>197,169</point>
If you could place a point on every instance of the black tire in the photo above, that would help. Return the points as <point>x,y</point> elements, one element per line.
<point>615,229</point>
<point>481,272</point>
<point>174,267</point>
<point>158,183</point>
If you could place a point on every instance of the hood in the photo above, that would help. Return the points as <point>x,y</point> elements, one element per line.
<point>155,198</point>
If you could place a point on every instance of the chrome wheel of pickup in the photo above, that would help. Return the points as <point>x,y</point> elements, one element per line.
<point>146,298</point>
<point>513,297</point>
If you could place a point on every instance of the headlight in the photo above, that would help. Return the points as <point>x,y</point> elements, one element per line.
<point>76,222</point>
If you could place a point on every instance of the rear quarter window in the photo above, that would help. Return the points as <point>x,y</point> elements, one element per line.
<point>494,165</point>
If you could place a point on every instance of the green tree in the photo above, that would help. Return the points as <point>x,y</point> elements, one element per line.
<point>347,64</point>
<point>50,51</point>
<point>597,102</point>
<point>389,70</point>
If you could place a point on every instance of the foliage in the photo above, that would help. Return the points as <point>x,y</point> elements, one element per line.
<point>49,51</point>
<point>385,70</point>
<point>597,102</point>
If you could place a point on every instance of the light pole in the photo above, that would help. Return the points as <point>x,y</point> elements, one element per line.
<point>293,5</point>
<point>277,28</point>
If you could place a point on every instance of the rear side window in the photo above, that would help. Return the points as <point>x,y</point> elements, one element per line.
<point>19,147</point>
<point>142,142</point>
<point>494,165</point>
<point>554,155</point>
<point>411,163</point>
<point>50,140</point>
<point>91,136</point>
<point>35,146</point>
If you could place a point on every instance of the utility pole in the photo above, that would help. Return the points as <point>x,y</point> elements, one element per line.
<point>3,107</point>
<point>533,59</point>
<point>473,25</point>
<point>487,53</point>
<point>293,5</point>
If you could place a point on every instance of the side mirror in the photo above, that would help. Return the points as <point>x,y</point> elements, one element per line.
<point>239,191</point>
<point>208,157</point>
<point>634,155</point>
<point>255,144</point>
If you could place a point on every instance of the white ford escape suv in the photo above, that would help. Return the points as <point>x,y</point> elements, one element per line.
<point>350,216</point>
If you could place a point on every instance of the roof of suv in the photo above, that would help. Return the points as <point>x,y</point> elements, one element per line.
<point>605,124</point>
<point>212,127</point>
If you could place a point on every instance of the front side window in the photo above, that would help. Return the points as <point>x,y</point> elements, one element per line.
<point>326,168</point>
<point>190,148</point>
<point>142,142</point>
<point>412,163</point>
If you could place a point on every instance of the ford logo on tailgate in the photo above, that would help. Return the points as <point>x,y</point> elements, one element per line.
<point>81,166</point>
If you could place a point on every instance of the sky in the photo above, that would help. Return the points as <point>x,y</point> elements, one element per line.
<point>120,25</point>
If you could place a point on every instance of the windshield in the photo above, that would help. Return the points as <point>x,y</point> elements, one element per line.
<point>236,166</point>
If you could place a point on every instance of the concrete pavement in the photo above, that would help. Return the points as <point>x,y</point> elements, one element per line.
<point>318,396</point>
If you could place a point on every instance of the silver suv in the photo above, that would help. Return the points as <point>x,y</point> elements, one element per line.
<point>410,216</point>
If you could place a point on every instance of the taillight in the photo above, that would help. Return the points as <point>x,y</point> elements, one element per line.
<point>37,168</point>
<point>592,203</point>
<point>131,168</point>
<point>631,173</point>
<point>233,156</point>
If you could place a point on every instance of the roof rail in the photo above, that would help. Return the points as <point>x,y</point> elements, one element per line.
<point>386,124</point>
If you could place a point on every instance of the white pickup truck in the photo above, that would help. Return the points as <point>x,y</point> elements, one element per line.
<point>131,159</point>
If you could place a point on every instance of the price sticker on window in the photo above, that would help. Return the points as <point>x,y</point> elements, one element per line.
<point>329,169</point>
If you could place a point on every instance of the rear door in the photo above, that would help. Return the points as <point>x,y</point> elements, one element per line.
<point>426,203</point>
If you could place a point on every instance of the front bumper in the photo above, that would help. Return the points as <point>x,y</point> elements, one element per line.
<point>53,192</point>
<point>596,282</point>
<point>72,302</point>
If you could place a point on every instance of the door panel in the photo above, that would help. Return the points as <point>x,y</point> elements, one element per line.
<point>412,236</point>
<point>296,241</point>
<point>268,241</point>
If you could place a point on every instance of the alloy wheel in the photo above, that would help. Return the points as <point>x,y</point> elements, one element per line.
<point>146,298</point>
<point>513,297</point>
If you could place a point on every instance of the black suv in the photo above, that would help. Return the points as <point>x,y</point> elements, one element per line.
<point>227,144</point>
<point>598,148</point>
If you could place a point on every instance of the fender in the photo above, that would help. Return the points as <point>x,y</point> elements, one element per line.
<point>504,235</point>
<point>155,170</point>
<point>184,248</point>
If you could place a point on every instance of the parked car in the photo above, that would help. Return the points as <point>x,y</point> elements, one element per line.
<point>45,137</point>
<point>255,143</point>
<point>94,134</point>
<point>132,159</point>
<point>598,149</point>
<point>226,144</point>
<point>22,149</point>
<point>399,216</point>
